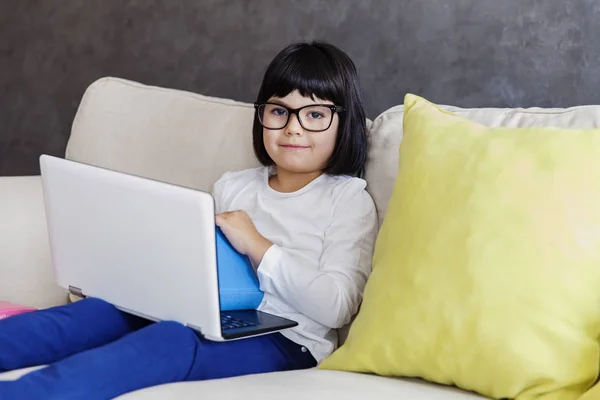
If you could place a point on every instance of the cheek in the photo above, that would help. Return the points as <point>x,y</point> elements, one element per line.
<point>326,142</point>
<point>323,148</point>
<point>270,138</point>
<point>329,146</point>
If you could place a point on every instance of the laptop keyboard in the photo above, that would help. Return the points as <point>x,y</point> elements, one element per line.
<point>228,322</point>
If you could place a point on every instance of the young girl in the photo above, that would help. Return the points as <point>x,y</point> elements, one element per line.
<point>304,220</point>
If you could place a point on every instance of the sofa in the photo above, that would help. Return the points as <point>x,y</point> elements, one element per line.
<point>190,140</point>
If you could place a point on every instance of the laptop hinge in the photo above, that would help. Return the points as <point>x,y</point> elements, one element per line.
<point>75,291</point>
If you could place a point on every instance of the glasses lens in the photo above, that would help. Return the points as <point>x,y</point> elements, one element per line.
<point>272,116</point>
<point>317,118</point>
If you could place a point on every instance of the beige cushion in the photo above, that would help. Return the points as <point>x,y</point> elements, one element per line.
<point>25,269</point>
<point>163,134</point>
<point>303,385</point>
<point>386,136</point>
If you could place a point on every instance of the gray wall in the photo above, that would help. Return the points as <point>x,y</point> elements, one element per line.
<point>462,52</point>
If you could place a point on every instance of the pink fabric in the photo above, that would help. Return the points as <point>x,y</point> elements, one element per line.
<point>9,309</point>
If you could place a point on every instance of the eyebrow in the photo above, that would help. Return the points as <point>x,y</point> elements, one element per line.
<point>281,103</point>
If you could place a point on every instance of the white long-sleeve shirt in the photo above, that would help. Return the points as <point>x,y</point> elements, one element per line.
<point>323,237</point>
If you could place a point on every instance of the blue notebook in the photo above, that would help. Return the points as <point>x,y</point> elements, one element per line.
<point>238,284</point>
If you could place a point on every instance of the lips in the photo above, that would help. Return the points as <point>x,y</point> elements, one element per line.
<point>293,146</point>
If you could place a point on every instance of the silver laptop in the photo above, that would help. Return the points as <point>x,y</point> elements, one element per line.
<point>145,246</point>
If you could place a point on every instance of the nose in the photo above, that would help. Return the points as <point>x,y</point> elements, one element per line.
<point>293,126</point>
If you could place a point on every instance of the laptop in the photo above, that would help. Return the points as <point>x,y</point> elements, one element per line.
<point>147,247</point>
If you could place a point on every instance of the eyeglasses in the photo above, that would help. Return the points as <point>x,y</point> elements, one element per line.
<point>313,118</point>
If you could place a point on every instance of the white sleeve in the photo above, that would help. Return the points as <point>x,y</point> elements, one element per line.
<point>332,294</point>
<point>218,193</point>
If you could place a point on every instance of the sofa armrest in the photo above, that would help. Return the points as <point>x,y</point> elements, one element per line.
<point>26,275</point>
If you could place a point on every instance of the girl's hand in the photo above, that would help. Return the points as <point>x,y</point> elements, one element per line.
<point>238,228</point>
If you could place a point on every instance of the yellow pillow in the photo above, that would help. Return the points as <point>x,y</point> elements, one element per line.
<point>486,273</point>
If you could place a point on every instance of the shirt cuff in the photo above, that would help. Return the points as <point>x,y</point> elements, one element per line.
<point>268,266</point>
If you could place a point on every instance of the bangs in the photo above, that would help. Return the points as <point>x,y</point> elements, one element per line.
<point>306,69</point>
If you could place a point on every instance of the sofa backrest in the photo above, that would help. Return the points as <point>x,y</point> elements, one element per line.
<point>163,134</point>
<point>386,136</point>
<point>191,140</point>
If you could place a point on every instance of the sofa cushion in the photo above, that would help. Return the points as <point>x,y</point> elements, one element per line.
<point>25,264</point>
<point>386,135</point>
<point>163,134</point>
<point>305,384</point>
<point>487,267</point>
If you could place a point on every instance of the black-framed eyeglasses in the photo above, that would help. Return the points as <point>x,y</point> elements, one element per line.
<point>313,118</point>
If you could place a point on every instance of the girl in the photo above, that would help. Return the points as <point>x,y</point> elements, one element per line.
<point>305,221</point>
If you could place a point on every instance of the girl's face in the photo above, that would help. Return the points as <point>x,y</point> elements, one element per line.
<point>294,148</point>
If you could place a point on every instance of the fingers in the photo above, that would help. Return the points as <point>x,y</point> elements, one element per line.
<point>223,218</point>
<point>231,214</point>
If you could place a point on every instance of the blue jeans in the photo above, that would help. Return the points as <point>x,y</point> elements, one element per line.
<point>97,352</point>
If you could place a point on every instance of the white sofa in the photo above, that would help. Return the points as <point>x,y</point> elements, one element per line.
<point>189,139</point>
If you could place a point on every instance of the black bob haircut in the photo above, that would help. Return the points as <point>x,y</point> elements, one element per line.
<point>322,70</point>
